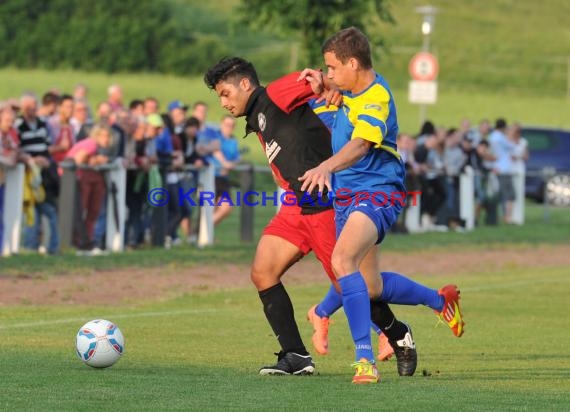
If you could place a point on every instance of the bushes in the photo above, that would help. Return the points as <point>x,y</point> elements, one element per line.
<point>104,35</point>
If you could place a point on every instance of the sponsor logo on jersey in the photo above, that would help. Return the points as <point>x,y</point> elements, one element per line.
<point>272,149</point>
<point>261,121</point>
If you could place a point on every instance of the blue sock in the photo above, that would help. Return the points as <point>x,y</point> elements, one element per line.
<point>400,290</point>
<point>330,304</point>
<point>357,308</point>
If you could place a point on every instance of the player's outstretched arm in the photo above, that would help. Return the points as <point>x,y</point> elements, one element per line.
<point>319,177</point>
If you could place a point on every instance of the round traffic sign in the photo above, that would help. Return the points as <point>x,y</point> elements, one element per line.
<point>424,67</point>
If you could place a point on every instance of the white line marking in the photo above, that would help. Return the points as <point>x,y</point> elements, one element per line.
<point>116,316</point>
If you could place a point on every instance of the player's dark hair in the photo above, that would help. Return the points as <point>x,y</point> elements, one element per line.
<point>349,43</point>
<point>231,69</point>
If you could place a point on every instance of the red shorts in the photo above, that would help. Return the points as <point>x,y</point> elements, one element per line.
<point>308,232</point>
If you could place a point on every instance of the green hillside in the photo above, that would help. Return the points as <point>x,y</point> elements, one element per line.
<point>489,65</point>
<point>515,46</point>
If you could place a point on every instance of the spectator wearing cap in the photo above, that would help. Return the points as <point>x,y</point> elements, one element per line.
<point>502,148</point>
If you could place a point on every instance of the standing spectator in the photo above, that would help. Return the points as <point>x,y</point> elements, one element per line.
<point>91,183</point>
<point>174,120</point>
<point>137,183</point>
<point>480,133</point>
<point>8,157</point>
<point>150,106</point>
<point>454,160</point>
<point>503,149</point>
<point>80,118</point>
<point>136,108</point>
<point>48,107</point>
<point>207,132</point>
<point>406,147</point>
<point>154,220</point>
<point>224,160</point>
<point>34,144</point>
<point>200,112</point>
<point>61,129</point>
<point>115,97</point>
<point>429,156</point>
<point>464,128</point>
<point>113,151</point>
<point>80,96</point>
<point>190,178</point>
<point>474,159</point>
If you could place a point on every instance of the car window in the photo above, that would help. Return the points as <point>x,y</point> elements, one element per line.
<point>540,139</point>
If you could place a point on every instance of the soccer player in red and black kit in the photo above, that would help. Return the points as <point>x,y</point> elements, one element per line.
<point>294,140</point>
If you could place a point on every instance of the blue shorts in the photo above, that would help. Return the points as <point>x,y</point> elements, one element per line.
<point>383,217</point>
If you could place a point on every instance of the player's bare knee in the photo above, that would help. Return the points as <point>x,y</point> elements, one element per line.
<point>343,265</point>
<point>263,278</point>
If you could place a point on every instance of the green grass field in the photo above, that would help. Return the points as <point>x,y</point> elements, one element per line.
<point>202,351</point>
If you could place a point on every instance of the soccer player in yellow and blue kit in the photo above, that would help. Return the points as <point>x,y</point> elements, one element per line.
<point>365,164</point>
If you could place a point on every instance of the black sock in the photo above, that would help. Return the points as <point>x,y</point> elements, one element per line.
<point>385,319</point>
<point>281,316</point>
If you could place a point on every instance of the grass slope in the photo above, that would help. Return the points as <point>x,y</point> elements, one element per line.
<point>453,104</point>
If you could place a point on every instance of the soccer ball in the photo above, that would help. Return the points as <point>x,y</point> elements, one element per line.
<point>99,343</point>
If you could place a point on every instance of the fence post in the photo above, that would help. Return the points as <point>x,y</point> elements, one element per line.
<point>67,204</point>
<point>116,207</point>
<point>13,197</point>
<point>467,198</point>
<point>206,180</point>
<point>518,204</point>
<point>412,220</point>
<point>246,222</point>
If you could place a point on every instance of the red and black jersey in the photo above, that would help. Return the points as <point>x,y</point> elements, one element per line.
<point>292,135</point>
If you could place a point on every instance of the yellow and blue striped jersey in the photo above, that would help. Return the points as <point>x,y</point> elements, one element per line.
<point>369,115</point>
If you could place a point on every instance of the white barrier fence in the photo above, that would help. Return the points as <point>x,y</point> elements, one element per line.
<point>117,211</point>
<point>467,203</point>
<point>13,200</point>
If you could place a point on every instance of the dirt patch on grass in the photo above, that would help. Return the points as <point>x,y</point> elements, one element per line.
<point>122,286</point>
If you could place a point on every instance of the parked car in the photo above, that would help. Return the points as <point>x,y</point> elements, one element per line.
<point>548,167</point>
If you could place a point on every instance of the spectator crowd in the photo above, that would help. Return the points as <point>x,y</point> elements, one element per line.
<point>167,149</point>
<point>158,150</point>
